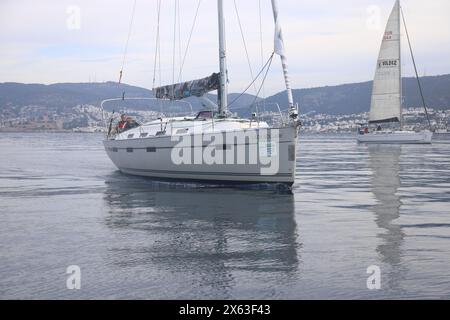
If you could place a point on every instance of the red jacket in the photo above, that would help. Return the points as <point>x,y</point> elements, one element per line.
<point>122,125</point>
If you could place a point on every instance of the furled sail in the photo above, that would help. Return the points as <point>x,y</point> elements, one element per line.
<point>197,88</point>
<point>386,92</point>
<point>279,50</point>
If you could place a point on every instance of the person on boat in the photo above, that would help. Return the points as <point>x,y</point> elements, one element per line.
<point>130,123</point>
<point>122,123</point>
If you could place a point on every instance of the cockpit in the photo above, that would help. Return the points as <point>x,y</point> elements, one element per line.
<point>206,115</point>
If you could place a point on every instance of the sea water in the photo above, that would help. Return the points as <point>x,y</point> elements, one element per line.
<point>353,207</point>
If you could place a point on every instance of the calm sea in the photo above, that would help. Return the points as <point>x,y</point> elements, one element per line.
<point>63,203</point>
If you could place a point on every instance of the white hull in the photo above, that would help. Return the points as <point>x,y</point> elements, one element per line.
<point>397,137</point>
<point>213,146</point>
<point>442,135</point>
<point>133,156</point>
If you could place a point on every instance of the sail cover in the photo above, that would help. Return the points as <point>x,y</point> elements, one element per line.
<point>187,89</point>
<point>386,92</point>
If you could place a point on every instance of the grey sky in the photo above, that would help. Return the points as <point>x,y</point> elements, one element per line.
<point>328,42</point>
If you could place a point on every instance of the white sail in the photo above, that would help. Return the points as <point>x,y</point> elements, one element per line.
<point>279,50</point>
<point>386,92</point>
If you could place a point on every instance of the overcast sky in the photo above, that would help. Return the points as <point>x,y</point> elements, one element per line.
<point>328,42</point>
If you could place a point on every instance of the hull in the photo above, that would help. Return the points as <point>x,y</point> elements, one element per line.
<point>442,136</point>
<point>154,157</point>
<point>397,137</point>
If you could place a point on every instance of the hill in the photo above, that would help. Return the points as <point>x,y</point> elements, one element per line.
<point>355,98</point>
<point>64,96</point>
<point>334,100</point>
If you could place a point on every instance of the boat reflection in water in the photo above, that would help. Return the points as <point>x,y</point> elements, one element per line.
<point>385,165</point>
<point>215,239</point>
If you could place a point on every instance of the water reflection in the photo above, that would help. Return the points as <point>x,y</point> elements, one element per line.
<point>384,162</point>
<point>207,234</point>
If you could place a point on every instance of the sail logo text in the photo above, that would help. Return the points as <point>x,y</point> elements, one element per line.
<point>387,63</point>
<point>253,147</point>
<point>388,35</point>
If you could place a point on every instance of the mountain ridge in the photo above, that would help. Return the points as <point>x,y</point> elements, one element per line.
<point>348,98</point>
<point>354,98</point>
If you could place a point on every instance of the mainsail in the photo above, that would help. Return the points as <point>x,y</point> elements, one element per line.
<point>386,92</point>
<point>197,88</point>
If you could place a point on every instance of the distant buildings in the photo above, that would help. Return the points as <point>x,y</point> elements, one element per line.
<point>81,118</point>
<point>414,119</point>
<point>89,118</point>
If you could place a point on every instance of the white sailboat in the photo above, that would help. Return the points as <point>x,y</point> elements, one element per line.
<point>386,102</point>
<point>213,146</point>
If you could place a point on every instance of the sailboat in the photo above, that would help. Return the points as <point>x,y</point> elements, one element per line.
<point>213,146</point>
<point>386,102</point>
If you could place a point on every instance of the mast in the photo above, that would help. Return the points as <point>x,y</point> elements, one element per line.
<point>400,63</point>
<point>223,91</point>
<point>279,49</point>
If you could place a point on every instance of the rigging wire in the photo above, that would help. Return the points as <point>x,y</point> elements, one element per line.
<point>177,23</point>
<point>179,35</point>
<point>415,69</point>
<point>157,53</point>
<point>174,47</point>
<point>246,51</point>
<point>189,39</point>
<point>262,50</point>
<point>262,83</point>
<point>244,43</point>
<point>157,45</point>
<point>267,64</point>
<point>128,41</point>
